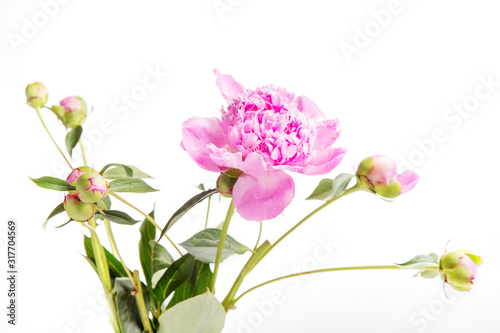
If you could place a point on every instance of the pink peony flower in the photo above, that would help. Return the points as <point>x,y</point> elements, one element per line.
<point>380,172</point>
<point>263,132</point>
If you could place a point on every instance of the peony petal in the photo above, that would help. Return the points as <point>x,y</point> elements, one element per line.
<point>383,170</point>
<point>228,85</point>
<point>324,161</point>
<point>327,133</point>
<point>197,134</point>
<point>309,108</point>
<point>408,180</point>
<point>253,164</point>
<point>259,199</point>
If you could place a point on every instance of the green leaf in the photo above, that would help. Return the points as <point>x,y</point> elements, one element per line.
<point>185,208</point>
<point>126,169</point>
<point>435,256</point>
<point>107,202</point>
<point>419,261</point>
<point>118,217</point>
<point>72,139</point>
<point>129,317</point>
<point>120,172</point>
<point>58,210</point>
<point>174,277</point>
<point>148,235</point>
<point>161,259</point>
<point>428,274</point>
<point>196,285</point>
<point>200,314</point>
<point>203,246</point>
<point>115,267</point>
<point>131,185</point>
<point>52,183</point>
<point>329,189</point>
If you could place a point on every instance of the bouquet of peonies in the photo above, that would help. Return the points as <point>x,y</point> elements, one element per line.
<point>262,134</point>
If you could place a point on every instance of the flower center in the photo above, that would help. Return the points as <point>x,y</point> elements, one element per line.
<point>267,120</point>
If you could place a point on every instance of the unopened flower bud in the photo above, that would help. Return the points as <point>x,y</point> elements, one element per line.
<point>77,209</point>
<point>379,173</point>
<point>72,111</point>
<point>36,95</point>
<point>225,185</point>
<point>91,187</point>
<point>458,269</point>
<point>76,173</point>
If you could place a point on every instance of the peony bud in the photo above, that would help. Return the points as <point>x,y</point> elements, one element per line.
<point>72,111</point>
<point>36,95</point>
<point>76,173</point>
<point>458,269</point>
<point>77,209</point>
<point>225,185</point>
<point>379,173</point>
<point>91,187</point>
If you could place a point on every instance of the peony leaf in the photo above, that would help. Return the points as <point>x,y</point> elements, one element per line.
<point>58,210</point>
<point>131,185</point>
<point>203,246</point>
<point>200,314</point>
<point>72,139</point>
<point>120,171</point>
<point>419,261</point>
<point>329,189</point>
<point>185,208</point>
<point>129,317</point>
<point>52,183</point>
<point>126,169</point>
<point>118,217</point>
<point>177,273</point>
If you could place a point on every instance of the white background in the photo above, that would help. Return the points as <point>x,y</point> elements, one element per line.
<point>390,97</point>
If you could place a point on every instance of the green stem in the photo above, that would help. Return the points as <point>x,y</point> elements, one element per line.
<point>208,212</point>
<point>258,239</point>
<point>139,298</point>
<point>145,215</point>
<point>115,251</point>
<point>222,240</point>
<point>266,248</point>
<point>83,153</point>
<point>48,132</point>
<point>355,268</point>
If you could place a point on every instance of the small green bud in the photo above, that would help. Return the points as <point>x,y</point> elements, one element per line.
<point>458,269</point>
<point>72,111</point>
<point>36,95</point>
<point>225,185</point>
<point>77,209</point>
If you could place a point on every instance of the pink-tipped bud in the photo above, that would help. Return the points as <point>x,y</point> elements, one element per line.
<point>458,269</point>
<point>36,95</point>
<point>91,187</point>
<point>72,111</point>
<point>379,172</point>
<point>77,209</point>
<point>76,173</point>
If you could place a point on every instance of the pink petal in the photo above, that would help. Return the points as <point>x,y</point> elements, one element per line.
<point>408,180</point>
<point>324,161</point>
<point>228,85</point>
<point>327,133</point>
<point>309,108</point>
<point>264,198</point>
<point>253,164</point>
<point>383,170</point>
<point>197,133</point>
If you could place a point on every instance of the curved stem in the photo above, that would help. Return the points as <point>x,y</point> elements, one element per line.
<point>314,272</point>
<point>258,239</point>
<point>349,191</point>
<point>115,251</point>
<point>141,305</point>
<point>48,132</point>
<point>145,215</point>
<point>208,212</point>
<point>83,153</point>
<point>222,240</point>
